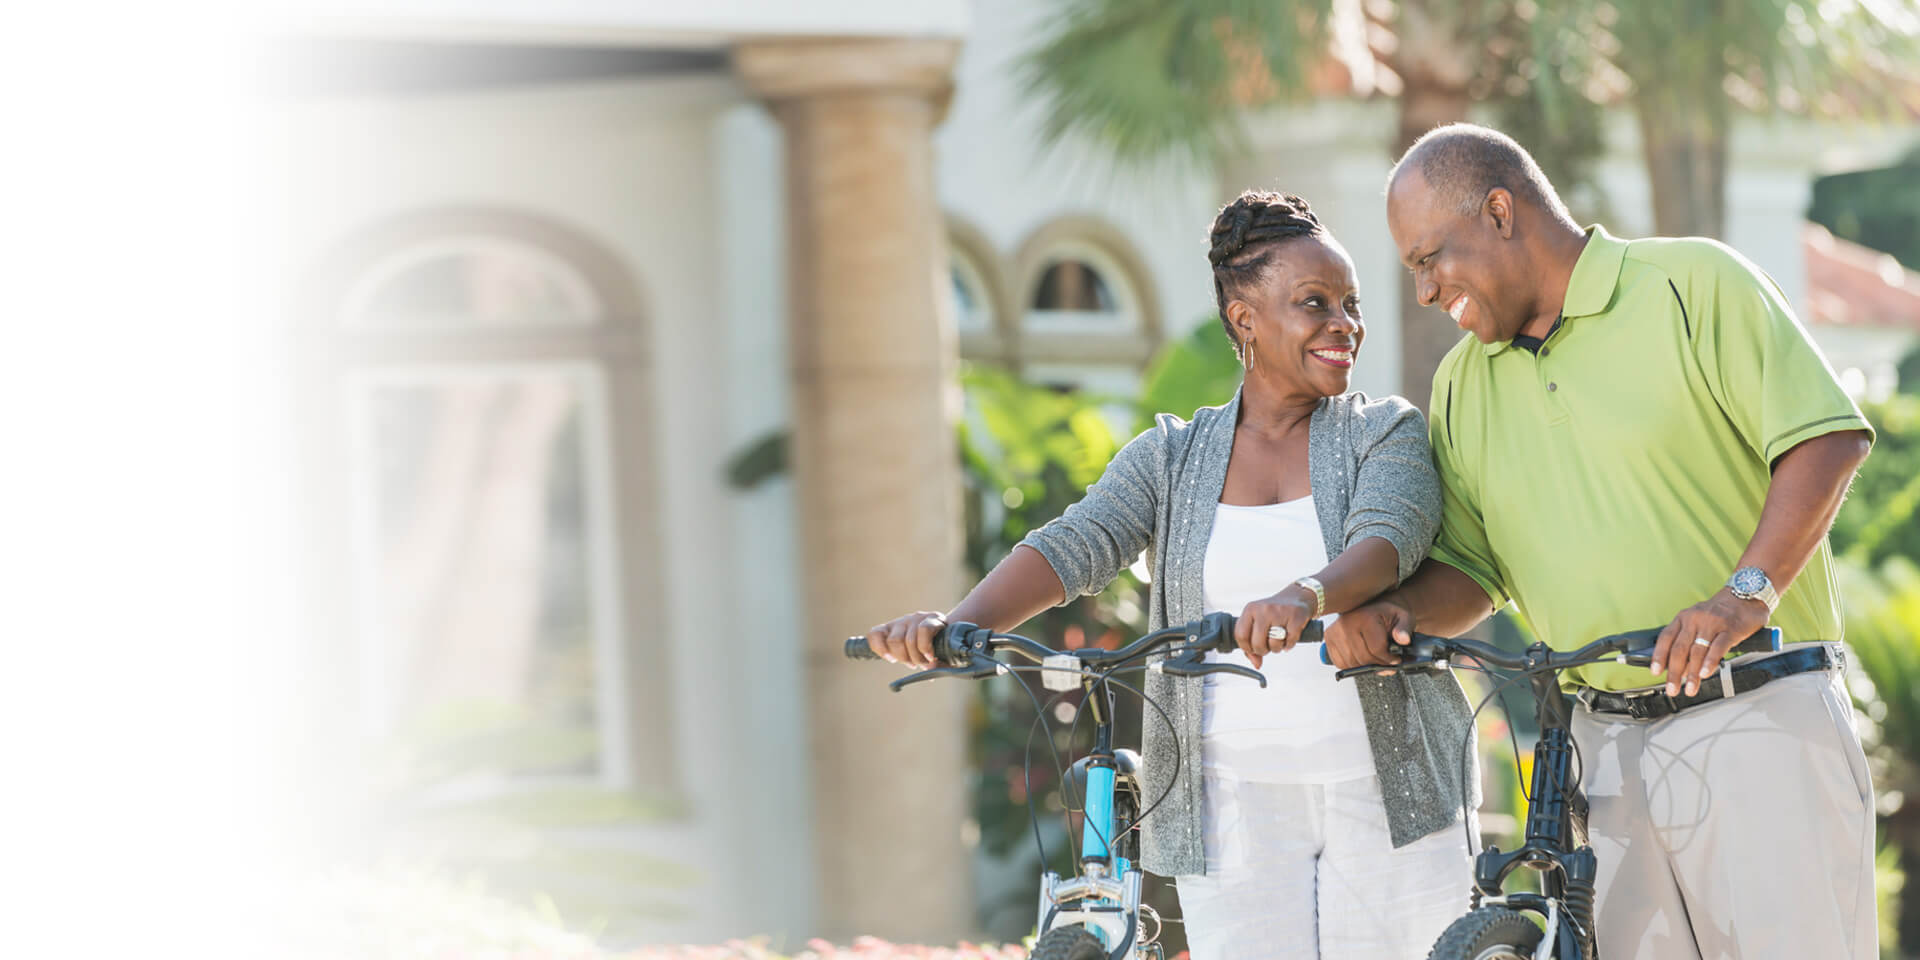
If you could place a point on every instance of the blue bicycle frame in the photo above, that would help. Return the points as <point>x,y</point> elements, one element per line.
<point>1105,898</point>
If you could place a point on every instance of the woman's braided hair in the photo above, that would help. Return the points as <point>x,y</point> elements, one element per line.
<point>1243,240</point>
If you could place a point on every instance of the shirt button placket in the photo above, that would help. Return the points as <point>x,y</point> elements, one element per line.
<point>1554,398</point>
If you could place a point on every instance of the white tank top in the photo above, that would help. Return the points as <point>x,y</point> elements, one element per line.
<point>1304,726</point>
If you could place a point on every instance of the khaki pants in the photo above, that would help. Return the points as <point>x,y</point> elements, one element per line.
<point>1740,829</point>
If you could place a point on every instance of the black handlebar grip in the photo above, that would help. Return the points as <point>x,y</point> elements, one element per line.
<point>1313,632</point>
<point>858,648</point>
<point>1764,640</point>
<point>1225,644</point>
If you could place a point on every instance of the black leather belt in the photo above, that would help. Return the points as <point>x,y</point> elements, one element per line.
<point>1742,674</point>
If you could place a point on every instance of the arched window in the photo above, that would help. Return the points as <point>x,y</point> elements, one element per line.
<point>973,311</point>
<point>489,367</point>
<point>1081,289</point>
<point>471,280</point>
<point>977,296</point>
<point>1088,321</point>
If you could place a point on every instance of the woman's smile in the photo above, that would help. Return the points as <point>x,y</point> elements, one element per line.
<point>1339,357</point>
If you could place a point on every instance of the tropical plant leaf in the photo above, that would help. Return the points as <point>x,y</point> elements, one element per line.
<point>1150,79</point>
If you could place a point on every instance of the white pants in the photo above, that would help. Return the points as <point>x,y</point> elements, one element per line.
<point>1308,871</point>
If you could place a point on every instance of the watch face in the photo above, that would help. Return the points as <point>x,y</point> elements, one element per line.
<point>1748,581</point>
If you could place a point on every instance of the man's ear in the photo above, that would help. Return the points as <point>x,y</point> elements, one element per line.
<point>1498,211</point>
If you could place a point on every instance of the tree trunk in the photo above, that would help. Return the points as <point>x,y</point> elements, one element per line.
<point>1426,333</point>
<point>1686,154</point>
<point>1436,56</point>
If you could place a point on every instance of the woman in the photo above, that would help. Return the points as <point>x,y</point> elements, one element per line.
<point>1320,819</point>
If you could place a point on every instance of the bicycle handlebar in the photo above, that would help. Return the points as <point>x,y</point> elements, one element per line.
<point>1634,647</point>
<point>965,648</point>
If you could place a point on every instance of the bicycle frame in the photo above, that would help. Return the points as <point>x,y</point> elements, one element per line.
<point>1554,844</point>
<point>1105,898</point>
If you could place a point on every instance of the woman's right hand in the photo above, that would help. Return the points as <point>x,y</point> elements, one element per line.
<point>908,639</point>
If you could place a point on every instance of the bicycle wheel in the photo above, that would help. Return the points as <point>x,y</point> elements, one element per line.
<point>1068,943</point>
<point>1489,933</point>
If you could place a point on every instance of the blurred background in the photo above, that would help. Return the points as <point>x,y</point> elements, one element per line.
<point>629,356</point>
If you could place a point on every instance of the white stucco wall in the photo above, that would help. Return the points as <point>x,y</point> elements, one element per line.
<point>768,657</point>
<point>645,168</point>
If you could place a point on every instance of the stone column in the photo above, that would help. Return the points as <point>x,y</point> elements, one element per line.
<point>876,472</point>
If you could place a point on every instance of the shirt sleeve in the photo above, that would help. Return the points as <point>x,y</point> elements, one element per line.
<point>1462,543</point>
<point>1761,367</point>
<point>1396,494</point>
<point>1107,530</point>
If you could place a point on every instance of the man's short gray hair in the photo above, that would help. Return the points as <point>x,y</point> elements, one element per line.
<point>1462,161</point>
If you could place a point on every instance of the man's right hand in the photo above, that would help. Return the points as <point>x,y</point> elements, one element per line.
<point>1360,637</point>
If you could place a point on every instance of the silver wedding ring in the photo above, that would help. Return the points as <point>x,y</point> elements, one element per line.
<point>1276,633</point>
<point>1702,642</point>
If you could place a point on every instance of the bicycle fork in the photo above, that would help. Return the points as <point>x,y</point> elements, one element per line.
<point>1105,901</point>
<point>1556,838</point>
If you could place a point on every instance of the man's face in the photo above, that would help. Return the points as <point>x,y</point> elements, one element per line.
<point>1461,264</point>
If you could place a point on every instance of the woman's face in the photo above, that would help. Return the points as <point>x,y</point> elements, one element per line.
<point>1303,319</point>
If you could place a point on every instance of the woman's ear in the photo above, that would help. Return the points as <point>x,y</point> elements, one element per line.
<point>1240,317</point>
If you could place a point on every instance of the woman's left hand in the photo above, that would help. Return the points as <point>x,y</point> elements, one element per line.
<point>1290,609</point>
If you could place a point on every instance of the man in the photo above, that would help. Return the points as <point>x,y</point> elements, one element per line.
<point>1635,428</point>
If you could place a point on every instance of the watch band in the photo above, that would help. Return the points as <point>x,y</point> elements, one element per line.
<point>1319,594</point>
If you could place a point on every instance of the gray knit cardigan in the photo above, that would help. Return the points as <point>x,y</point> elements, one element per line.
<point>1372,474</point>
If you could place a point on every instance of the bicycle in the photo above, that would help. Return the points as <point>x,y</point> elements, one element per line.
<point>1096,914</point>
<point>1498,925</point>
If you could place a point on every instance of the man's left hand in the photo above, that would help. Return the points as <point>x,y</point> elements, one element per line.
<point>1691,646</point>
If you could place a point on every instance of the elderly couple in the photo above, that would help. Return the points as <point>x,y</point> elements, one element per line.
<point>1636,433</point>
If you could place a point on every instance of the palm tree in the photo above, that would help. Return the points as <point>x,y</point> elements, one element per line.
<point>1694,64</point>
<point>1153,79</point>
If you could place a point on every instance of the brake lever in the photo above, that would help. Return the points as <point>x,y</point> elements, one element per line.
<point>1401,650</point>
<point>1237,670</point>
<point>1190,665</point>
<point>981,666</point>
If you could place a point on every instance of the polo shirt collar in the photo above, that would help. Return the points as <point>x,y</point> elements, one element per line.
<point>1595,275</point>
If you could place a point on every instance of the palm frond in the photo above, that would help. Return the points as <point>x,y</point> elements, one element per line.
<point>1152,80</point>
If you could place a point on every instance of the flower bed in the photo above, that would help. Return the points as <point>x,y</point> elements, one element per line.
<point>863,948</point>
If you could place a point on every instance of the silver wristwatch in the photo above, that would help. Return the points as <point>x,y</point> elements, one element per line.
<point>1751,583</point>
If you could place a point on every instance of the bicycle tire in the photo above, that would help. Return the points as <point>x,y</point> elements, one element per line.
<point>1068,943</point>
<point>1489,933</point>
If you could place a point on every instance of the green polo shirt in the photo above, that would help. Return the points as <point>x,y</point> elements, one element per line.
<point>1614,478</point>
